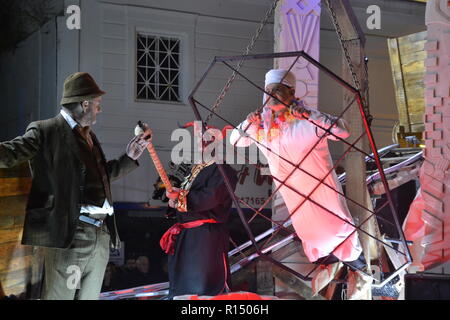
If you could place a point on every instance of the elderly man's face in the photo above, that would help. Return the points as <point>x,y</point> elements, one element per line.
<point>90,110</point>
<point>283,93</point>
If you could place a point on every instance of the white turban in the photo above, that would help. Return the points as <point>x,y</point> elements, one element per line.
<point>280,76</point>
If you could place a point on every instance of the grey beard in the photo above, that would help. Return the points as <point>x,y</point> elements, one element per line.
<point>85,120</point>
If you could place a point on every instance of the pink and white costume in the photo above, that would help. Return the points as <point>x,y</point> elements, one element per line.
<point>321,232</point>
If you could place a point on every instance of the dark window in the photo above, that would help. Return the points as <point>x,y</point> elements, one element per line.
<point>158,68</point>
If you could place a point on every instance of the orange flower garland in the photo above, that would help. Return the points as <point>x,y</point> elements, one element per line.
<point>278,121</point>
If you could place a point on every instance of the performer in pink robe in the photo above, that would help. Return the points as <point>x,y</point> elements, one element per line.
<point>296,135</point>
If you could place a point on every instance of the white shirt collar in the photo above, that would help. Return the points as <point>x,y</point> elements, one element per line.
<point>72,123</point>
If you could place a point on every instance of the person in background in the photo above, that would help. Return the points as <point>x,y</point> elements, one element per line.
<point>110,278</point>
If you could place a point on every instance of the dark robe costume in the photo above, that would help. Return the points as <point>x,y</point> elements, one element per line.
<point>198,257</point>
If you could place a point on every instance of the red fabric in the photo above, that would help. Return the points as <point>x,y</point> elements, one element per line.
<point>232,296</point>
<point>169,238</point>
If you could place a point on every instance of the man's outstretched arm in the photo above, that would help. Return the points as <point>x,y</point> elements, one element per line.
<point>20,149</point>
<point>337,127</point>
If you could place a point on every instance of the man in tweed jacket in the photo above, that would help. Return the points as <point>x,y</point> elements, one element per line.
<point>69,210</point>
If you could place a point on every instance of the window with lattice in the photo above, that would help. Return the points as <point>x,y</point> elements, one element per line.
<point>158,68</point>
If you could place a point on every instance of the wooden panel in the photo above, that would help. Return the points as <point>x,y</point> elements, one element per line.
<point>207,41</point>
<point>16,289</point>
<point>114,60</point>
<point>115,90</point>
<point>15,263</point>
<point>10,235</point>
<point>115,30</point>
<point>23,274</point>
<point>14,186</point>
<point>20,266</point>
<point>232,28</point>
<point>114,46</point>
<point>114,13</point>
<point>16,260</point>
<point>6,222</point>
<point>116,75</point>
<point>19,221</point>
<point>14,250</point>
<point>14,282</point>
<point>13,206</point>
<point>407,56</point>
<point>22,170</point>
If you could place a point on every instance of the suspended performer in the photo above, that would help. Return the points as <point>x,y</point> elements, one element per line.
<point>197,245</point>
<point>290,134</point>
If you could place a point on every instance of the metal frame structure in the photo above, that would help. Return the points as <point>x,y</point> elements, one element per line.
<point>268,247</point>
<point>261,251</point>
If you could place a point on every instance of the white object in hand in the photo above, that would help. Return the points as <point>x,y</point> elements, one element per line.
<point>138,130</point>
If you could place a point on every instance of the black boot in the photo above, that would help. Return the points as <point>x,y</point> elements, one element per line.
<point>358,264</point>
<point>329,259</point>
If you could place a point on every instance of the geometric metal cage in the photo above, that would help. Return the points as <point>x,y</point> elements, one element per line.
<point>399,246</point>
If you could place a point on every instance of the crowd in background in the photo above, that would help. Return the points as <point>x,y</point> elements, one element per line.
<point>134,273</point>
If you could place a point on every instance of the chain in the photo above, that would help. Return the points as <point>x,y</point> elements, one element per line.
<point>365,95</point>
<point>355,78</point>
<point>364,91</point>
<point>344,46</point>
<point>250,46</point>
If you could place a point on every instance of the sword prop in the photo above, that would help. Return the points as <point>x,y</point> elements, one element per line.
<point>158,165</point>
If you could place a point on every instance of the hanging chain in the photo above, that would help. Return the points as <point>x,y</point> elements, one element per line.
<point>344,43</point>
<point>344,46</point>
<point>364,91</point>
<point>247,50</point>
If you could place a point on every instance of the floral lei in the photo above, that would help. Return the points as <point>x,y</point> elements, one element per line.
<point>275,124</point>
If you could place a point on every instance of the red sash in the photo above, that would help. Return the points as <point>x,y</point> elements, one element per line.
<point>169,238</point>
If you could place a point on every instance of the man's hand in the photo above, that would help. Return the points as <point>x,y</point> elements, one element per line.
<point>254,117</point>
<point>136,147</point>
<point>300,112</point>
<point>144,129</point>
<point>174,194</point>
<point>140,142</point>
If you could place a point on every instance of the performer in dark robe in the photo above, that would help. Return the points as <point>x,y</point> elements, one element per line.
<point>198,243</point>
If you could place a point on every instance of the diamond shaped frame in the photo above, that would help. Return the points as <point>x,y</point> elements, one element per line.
<point>263,252</point>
